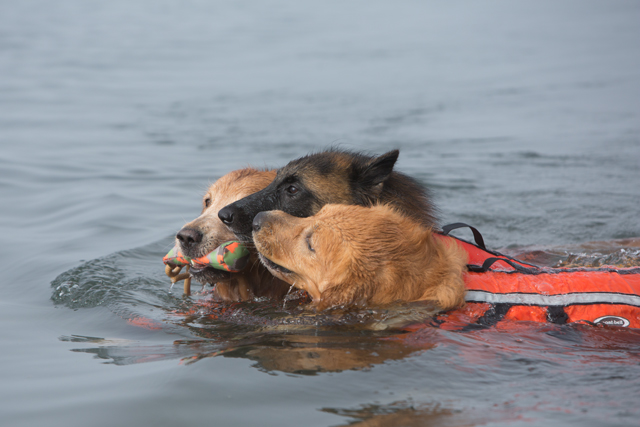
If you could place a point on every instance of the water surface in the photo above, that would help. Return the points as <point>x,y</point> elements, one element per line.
<point>523,118</point>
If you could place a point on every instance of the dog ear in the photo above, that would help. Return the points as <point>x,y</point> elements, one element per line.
<point>379,169</point>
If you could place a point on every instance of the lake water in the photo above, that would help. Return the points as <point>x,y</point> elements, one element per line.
<point>522,117</point>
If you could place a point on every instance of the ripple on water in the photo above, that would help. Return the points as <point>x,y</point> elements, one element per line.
<point>618,253</point>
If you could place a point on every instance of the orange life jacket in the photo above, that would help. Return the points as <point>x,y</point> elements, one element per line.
<point>503,288</point>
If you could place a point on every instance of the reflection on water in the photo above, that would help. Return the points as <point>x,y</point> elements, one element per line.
<point>291,353</point>
<point>407,414</point>
<point>576,359</point>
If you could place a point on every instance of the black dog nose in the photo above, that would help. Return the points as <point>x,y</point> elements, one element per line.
<point>258,221</point>
<point>189,236</point>
<point>226,215</point>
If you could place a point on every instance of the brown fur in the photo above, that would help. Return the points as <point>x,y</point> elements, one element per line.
<point>361,255</point>
<point>254,280</point>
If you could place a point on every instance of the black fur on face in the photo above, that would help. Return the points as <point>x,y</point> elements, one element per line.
<point>304,185</point>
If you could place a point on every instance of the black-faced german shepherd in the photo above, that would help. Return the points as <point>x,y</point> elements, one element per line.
<point>304,185</point>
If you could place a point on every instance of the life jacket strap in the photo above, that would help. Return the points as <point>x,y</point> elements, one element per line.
<point>557,315</point>
<point>495,314</point>
<point>476,234</point>
<point>486,265</point>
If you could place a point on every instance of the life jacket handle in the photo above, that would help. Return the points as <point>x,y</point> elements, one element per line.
<point>476,234</point>
<point>486,266</point>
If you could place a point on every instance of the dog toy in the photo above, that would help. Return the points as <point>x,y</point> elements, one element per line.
<point>230,256</point>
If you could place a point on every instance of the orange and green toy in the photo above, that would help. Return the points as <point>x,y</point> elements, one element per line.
<point>230,256</point>
<point>175,257</point>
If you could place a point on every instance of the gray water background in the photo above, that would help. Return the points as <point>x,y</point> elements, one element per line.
<point>522,117</point>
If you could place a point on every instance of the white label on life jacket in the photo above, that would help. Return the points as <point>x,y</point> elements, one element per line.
<point>612,321</point>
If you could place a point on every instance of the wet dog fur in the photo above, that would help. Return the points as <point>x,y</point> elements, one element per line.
<point>360,256</point>
<point>304,186</point>
<point>205,233</point>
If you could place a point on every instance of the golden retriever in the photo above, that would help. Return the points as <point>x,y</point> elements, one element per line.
<point>205,233</point>
<point>349,255</point>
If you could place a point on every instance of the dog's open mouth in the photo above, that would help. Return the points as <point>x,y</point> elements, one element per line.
<point>209,274</point>
<point>273,266</point>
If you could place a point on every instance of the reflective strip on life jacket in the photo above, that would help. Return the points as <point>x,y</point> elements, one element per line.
<point>545,300</point>
<point>503,288</point>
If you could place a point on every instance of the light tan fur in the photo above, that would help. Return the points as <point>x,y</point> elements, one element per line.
<point>354,255</point>
<point>254,280</point>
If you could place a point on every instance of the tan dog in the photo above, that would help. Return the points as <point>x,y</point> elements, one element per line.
<point>207,232</point>
<point>354,255</point>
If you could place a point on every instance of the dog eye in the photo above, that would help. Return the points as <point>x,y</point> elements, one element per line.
<point>292,189</point>
<point>309,243</point>
<point>207,202</point>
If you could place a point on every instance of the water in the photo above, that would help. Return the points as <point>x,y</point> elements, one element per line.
<point>524,119</point>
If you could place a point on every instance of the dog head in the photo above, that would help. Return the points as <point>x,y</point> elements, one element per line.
<point>345,251</point>
<point>304,186</point>
<point>205,233</point>
<point>354,255</point>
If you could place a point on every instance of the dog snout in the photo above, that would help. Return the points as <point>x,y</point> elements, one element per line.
<point>258,221</point>
<point>226,215</point>
<point>189,237</point>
